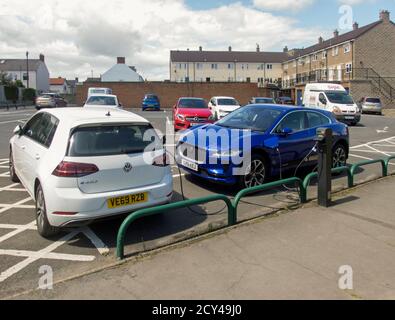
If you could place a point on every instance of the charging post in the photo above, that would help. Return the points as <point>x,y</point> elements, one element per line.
<point>325,144</point>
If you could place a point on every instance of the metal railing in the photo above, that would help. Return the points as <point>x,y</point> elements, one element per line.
<point>165,208</point>
<point>232,206</point>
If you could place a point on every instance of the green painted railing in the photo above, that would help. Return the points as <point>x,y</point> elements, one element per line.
<point>356,166</point>
<point>313,175</point>
<point>267,186</point>
<point>232,220</point>
<point>387,163</point>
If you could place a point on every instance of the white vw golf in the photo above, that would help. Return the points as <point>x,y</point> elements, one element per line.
<point>83,164</point>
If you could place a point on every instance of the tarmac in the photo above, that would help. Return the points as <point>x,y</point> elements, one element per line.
<point>344,252</point>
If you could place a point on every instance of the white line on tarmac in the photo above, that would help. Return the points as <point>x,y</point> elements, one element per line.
<point>13,121</point>
<point>365,158</point>
<point>52,256</point>
<point>18,230</point>
<point>178,175</point>
<point>18,205</point>
<point>9,187</point>
<point>5,174</point>
<point>96,241</point>
<point>373,142</point>
<point>40,254</point>
<point>32,226</point>
<point>378,151</point>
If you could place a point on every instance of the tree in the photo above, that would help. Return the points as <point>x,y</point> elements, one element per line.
<point>4,79</point>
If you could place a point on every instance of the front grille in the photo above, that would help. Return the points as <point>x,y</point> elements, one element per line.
<point>196,119</point>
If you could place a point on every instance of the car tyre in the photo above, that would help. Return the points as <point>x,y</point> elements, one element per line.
<point>43,226</point>
<point>256,173</point>
<point>13,176</point>
<point>339,156</point>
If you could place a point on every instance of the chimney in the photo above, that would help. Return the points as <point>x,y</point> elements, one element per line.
<point>320,40</point>
<point>285,49</point>
<point>230,49</point>
<point>121,60</point>
<point>200,48</point>
<point>257,48</point>
<point>42,57</point>
<point>355,26</point>
<point>336,33</point>
<point>77,80</point>
<point>385,15</point>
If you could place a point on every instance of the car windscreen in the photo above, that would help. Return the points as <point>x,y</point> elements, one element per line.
<point>192,104</point>
<point>373,100</point>
<point>151,97</point>
<point>47,96</point>
<point>264,100</point>
<point>227,102</point>
<point>101,101</point>
<point>105,140</point>
<point>98,91</point>
<point>254,118</point>
<point>340,97</point>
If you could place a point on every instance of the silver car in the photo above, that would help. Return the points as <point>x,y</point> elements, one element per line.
<point>371,105</point>
<point>50,100</point>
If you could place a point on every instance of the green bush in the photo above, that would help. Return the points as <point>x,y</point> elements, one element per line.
<point>11,93</point>
<point>29,94</point>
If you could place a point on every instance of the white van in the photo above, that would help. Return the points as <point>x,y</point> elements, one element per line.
<point>99,91</point>
<point>333,98</point>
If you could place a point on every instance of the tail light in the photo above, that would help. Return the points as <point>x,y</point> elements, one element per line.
<point>162,160</point>
<point>74,170</point>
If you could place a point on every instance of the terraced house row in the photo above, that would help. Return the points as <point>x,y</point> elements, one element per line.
<point>362,60</point>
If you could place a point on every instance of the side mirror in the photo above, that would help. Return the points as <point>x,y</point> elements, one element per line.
<point>323,101</point>
<point>18,130</point>
<point>285,132</point>
<point>164,140</point>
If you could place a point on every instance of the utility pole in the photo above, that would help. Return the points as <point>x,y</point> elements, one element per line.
<point>27,68</point>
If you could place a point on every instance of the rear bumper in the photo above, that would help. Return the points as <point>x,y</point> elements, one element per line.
<point>150,106</point>
<point>372,108</point>
<point>91,207</point>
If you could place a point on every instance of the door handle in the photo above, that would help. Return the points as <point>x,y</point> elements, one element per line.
<point>38,157</point>
<point>23,147</point>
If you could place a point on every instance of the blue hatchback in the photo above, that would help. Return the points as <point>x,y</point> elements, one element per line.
<point>258,142</point>
<point>150,101</point>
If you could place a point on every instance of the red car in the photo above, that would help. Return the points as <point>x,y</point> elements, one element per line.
<point>189,112</point>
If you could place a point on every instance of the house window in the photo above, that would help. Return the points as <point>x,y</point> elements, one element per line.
<point>214,66</point>
<point>324,55</point>
<point>347,48</point>
<point>301,62</point>
<point>335,51</point>
<point>269,66</point>
<point>261,66</point>
<point>230,66</point>
<point>348,67</point>
<point>25,76</point>
<point>199,66</point>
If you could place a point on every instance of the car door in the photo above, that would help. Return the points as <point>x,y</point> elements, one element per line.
<point>296,145</point>
<point>21,145</point>
<point>37,147</point>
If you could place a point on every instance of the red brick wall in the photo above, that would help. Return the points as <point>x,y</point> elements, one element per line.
<point>131,94</point>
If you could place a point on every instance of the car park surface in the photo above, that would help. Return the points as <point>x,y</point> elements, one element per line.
<point>78,250</point>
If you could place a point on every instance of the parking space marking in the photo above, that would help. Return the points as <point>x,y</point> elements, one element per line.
<point>96,241</point>
<point>5,174</point>
<point>51,256</point>
<point>18,205</point>
<point>18,230</point>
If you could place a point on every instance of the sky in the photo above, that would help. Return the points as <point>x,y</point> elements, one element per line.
<point>81,38</point>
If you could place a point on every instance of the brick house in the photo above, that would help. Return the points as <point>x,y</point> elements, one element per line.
<point>362,60</point>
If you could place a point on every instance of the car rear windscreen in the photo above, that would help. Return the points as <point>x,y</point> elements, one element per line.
<point>101,101</point>
<point>263,100</point>
<point>193,104</point>
<point>373,100</point>
<point>89,141</point>
<point>227,102</point>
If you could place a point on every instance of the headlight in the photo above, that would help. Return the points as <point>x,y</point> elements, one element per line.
<point>226,154</point>
<point>337,110</point>
<point>181,117</point>
<point>211,118</point>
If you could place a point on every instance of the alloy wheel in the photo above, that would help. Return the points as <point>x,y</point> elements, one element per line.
<point>339,157</point>
<point>256,174</point>
<point>40,209</point>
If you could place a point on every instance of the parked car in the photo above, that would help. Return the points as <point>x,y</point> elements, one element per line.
<point>370,105</point>
<point>190,112</point>
<point>150,101</point>
<point>50,100</point>
<point>333,98</point>
<point>222,106</point>
<point>99,91</point>
<point>262,100</point>
<point>286,101</point>
<point>282,139</point>
<point>103,100</point>
<point>82,164</point>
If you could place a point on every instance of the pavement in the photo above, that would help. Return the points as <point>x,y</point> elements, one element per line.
<point>297,255</point>
<point>23,252</point>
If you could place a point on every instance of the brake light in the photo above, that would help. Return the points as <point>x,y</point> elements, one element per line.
<point>74,170</point>
<point>162,160</point>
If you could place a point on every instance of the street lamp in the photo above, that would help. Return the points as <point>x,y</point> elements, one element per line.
<point>27,68</point>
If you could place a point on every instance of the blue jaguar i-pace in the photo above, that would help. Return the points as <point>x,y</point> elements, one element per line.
<point>257,142</point>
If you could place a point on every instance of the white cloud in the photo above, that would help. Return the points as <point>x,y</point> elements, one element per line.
<point>79,36</point>
<point>276,5</point>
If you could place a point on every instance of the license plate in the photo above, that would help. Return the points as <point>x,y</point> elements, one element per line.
<point>190,165</point>
<point>195,124</point>
<point>128,200</point>
<point>349,118</point>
